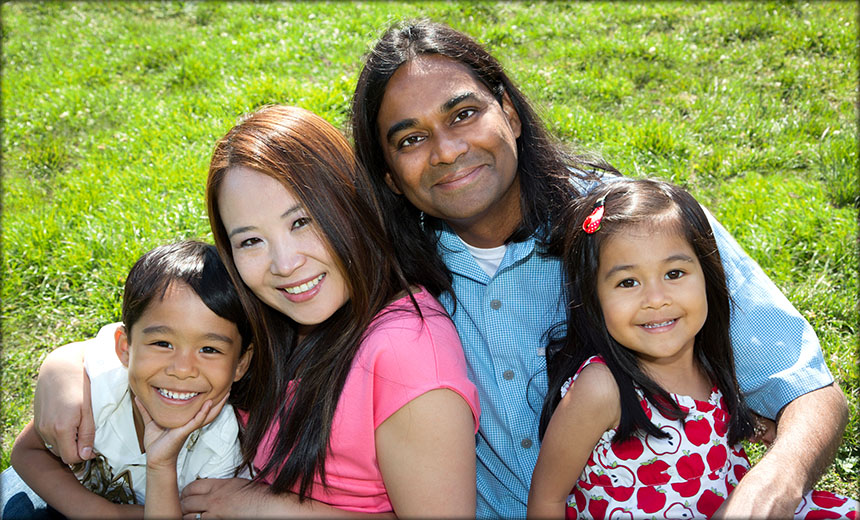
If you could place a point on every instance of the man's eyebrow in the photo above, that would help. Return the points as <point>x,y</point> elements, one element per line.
<point>448,105</point>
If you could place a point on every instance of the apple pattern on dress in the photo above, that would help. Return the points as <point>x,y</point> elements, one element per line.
<point>686,475</point>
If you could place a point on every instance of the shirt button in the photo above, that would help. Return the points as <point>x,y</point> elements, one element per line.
<point>495,304</point>
<point>508,374</point>
<point>526,443</point>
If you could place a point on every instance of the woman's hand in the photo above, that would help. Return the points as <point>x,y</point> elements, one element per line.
<point>226,498</point>
<point>765,431</point>
<point>63,414</point>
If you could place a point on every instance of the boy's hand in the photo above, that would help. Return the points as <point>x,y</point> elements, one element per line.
<point>163,444</point>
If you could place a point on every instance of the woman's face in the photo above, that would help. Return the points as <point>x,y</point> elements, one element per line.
<point>279,250</point>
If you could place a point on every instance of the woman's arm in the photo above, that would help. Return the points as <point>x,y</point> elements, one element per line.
<point>63,415</point>
<point>590,408</point>
<point>426,453</point>
<point>243,498</point>
<point>54,481</point>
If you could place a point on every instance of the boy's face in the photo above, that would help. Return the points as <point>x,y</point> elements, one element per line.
<point>179,355</point>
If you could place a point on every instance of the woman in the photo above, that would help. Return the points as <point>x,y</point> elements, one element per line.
<point>358,397</point>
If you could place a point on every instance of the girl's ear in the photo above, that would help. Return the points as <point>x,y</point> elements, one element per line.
<point>121,339</point>
<point>244,363</point>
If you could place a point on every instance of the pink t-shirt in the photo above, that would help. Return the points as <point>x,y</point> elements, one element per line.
<point>401,358</point>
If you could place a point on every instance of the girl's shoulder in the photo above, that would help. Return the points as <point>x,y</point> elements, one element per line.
<point>592,392</point>
<point>600,370</point>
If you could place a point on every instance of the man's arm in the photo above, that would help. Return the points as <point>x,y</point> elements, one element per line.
<point>808,432</point>
<point>54,481</point>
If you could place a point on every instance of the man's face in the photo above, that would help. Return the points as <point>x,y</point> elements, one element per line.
<point>451,147</point>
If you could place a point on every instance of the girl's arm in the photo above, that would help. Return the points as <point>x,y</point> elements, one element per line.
<point>426,453</point>
<point>590,408</point>
<point>54,481</point>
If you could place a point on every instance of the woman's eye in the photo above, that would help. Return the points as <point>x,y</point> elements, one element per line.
<point>301,222</point>
<point>627,283</point>
<point>465,114</point>
<point>248,242</point>
<point>674,274</point>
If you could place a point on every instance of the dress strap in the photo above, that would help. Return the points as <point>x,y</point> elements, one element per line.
<point>566,386</point>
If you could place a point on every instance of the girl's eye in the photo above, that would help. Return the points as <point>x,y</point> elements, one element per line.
<point>627,283</point>
<point>464,114</point>
<point>674,274</point>
<point>301,222</point>
<point>248,242</point>
<point>210,350</point>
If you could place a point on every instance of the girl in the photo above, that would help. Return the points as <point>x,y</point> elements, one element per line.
<point>183,342</point>
<point>359,398</point>
<point>653,423</point>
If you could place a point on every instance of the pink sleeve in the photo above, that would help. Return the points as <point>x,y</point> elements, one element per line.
<point>410,357</point>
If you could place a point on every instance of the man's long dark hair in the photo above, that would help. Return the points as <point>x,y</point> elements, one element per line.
<point>311,159</point>
<point>645,205</point>
<point>544,166</point>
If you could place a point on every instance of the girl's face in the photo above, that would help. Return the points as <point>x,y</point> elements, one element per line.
<point>180,354</point>
<point>652,292</point>
<point>278,249</point>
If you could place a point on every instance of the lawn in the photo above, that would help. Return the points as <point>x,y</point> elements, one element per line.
<point>110,111</point>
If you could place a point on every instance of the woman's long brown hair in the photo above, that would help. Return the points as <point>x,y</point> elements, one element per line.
<point>309,157</point>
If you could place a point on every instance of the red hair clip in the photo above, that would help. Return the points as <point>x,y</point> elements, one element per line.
<point>592,221</point>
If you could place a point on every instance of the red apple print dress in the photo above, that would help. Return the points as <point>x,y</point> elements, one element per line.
<point>686,475</point>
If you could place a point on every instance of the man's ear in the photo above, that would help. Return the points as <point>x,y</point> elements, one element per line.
<point>244,363</point>
<point>392,183</point>
<point>512,115</point>
<point>120,337</point>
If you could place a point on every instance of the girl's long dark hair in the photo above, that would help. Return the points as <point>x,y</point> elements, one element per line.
<point>647,205</point>
<point>314,161</point>
<point>544,166</point>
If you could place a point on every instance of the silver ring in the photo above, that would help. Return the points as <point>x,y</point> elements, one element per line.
<point>49,447</point>
<point>198,516</point>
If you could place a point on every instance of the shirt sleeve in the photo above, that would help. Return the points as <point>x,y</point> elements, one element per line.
<point>100,353</point>
<point>777,354</point>
<point>411,356</point>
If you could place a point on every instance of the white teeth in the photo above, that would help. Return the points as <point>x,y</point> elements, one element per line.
<point>657,325</point>
<point>181,396</point>
<point>307,286</point>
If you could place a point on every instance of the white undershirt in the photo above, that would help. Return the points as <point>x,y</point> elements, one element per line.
<point>489,259</point>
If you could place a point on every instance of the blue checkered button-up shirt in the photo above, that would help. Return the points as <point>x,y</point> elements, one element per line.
<point>502,321</point>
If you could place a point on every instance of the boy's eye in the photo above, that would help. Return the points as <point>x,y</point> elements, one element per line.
<point>210,350</point>
<point>627,283</point>
<point>674,274</point>
<point>163,344</point>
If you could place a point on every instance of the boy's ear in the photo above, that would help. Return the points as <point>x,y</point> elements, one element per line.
<point>244,362</point>
<point>392,183</point>
<point>121,339</point>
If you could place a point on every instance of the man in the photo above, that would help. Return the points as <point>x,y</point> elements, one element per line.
<point>464,168</point>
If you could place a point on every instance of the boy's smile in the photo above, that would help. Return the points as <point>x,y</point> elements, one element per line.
<point>180,354</point>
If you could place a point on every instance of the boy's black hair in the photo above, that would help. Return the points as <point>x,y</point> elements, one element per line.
<point>197,265</point>
<point>648,205</point>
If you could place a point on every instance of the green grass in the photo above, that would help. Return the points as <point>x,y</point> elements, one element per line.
<point>110,111</point>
